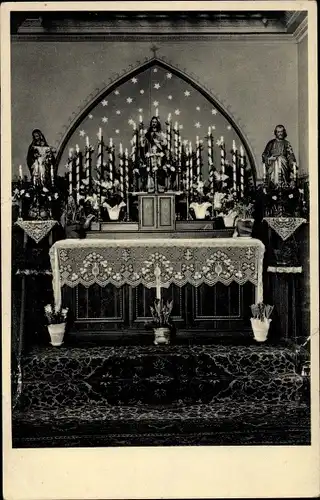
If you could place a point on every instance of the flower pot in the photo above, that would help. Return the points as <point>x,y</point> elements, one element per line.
<point>244,227</point>
<point>161,336</point>
<point>229,220</point>
<point>114,212</point>
<point>260,329</point>
<point>56,332</point>
<point>200,209</point>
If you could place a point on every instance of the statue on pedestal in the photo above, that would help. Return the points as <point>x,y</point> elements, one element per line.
<point>279,159</point>
<point>41,160</point>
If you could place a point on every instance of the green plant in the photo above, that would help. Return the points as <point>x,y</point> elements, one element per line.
<point>161,313</point>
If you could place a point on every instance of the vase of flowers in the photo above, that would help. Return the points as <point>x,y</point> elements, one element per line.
<point>200,200</point>
<point>57,319</point>
<point>260,320</point>
<point>111,198</point>
<point>161,313</point>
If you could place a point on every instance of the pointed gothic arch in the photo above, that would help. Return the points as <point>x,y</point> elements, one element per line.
<point>180,74</point>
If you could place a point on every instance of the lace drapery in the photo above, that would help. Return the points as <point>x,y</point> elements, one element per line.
<point>285,226</point>
<point>36,229</point>
<point>283,269</point>
<point>134,262</point>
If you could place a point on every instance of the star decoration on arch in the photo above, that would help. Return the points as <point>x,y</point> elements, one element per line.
<point>187,93</point>
<point>116,92</point>
<point>140,110</point>
<point>177,111</point>
<point>229,127</point>
<point>214,111</point>
<point>169,76</point>
<point>155,103</point>
<point>129,100</point>
<point>90,116</point>
<point>197,124</point>
<point>198,108</point>
<point>134,80</point>
<point>155,70</point>
<point>130,121</point>
<point>156,86</point>
<point>170,97</point>
<point>117,131</point>
<point>104,102</point>
<point>82,133</point>
<point>118,112</point>
<point>104,119</point>
<point>141,91</point>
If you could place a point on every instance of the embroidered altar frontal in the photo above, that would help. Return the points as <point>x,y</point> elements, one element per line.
<point>178,262</point>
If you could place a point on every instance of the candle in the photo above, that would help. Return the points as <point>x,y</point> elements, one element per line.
<point>190,164</point>
<point>52,175</point>
<point>222,156</point>
<point>264,172</point>
<point>176,141</point>
<point>294,171</point>
<point>234,165</point>
<point>87,141</point>
<point>126,170</point>
<point>209,147</point>
<point>121,173</point>
<point>78,174</point>
<point>134,126</point>
<point>157,112</point>
<point>198,159</point>
<point>276,171</point>
<point>187,171</point>
<point>241,171</point>
<point>120,149</point>
<point>111,159</point>
<point>100,134</point>
<point>140,119</point>
<point>20,173</point>
<point>70,165</point>
<point>169,117</point>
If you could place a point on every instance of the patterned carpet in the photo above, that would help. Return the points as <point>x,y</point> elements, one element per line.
<point>168,395</point>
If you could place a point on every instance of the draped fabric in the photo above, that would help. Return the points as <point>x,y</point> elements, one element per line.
<point>135,262</point>
<point>36,229</point>
<point>285,226</point>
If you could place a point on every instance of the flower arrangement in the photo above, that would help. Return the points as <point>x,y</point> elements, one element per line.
<point>161,313</point>
<point>287,200</point>
<point>110,193</point>
<point>261,311</point>
<point>55,316</point>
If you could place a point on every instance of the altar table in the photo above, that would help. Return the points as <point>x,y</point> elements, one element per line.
<point>150,262</point>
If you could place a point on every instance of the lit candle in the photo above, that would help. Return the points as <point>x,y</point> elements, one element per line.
<point>20,172</point>
<point>190,164</point>
<point>126,164</point>
<point>176,140</point>
<point>140,119</point>
<point>209,147</point>
<point>100,134</point>
<point>121,173</point>
<point>88,161</point>
<point>87,141</point>
<point>169,117</point>
<point>157,112</point>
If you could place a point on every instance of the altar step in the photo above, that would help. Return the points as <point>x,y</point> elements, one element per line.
<point>169,395</point>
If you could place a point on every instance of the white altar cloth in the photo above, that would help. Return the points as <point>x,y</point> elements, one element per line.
<point>180,261</point>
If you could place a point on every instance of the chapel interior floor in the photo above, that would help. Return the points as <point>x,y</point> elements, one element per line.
<point>220,392</point>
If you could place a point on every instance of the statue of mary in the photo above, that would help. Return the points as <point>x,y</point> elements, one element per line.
<point>41,159</point>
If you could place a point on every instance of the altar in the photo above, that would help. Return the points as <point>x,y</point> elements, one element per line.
<point>155,265</point>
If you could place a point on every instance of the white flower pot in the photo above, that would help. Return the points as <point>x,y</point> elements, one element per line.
<point>161,336</point>
<point>56,332</point>
<point>200,209</point>
<point>260,329</point>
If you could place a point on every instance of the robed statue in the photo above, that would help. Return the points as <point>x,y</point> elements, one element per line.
<point>41,159</point>
<point>156,153</point>
<point>279,159</point>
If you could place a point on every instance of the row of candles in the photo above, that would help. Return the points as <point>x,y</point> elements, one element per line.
<point>193,162</point>
<point>38,176</point>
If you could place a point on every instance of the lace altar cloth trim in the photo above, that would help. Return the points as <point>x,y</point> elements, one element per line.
<point>285,226</point>
<point>36,229</point>
<point>134,262</point>
<point>281,269</point>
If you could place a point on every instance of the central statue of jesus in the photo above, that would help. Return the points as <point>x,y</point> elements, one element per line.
<point>156,153</point>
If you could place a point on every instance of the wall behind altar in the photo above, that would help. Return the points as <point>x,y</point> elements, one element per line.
<point>258,81</point>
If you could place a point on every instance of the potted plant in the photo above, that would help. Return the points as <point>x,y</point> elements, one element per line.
<point>244,219</point>
<point>260,320</point>
<point>161,313</point>
<point>111,198</point>
<point>56,319</point>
